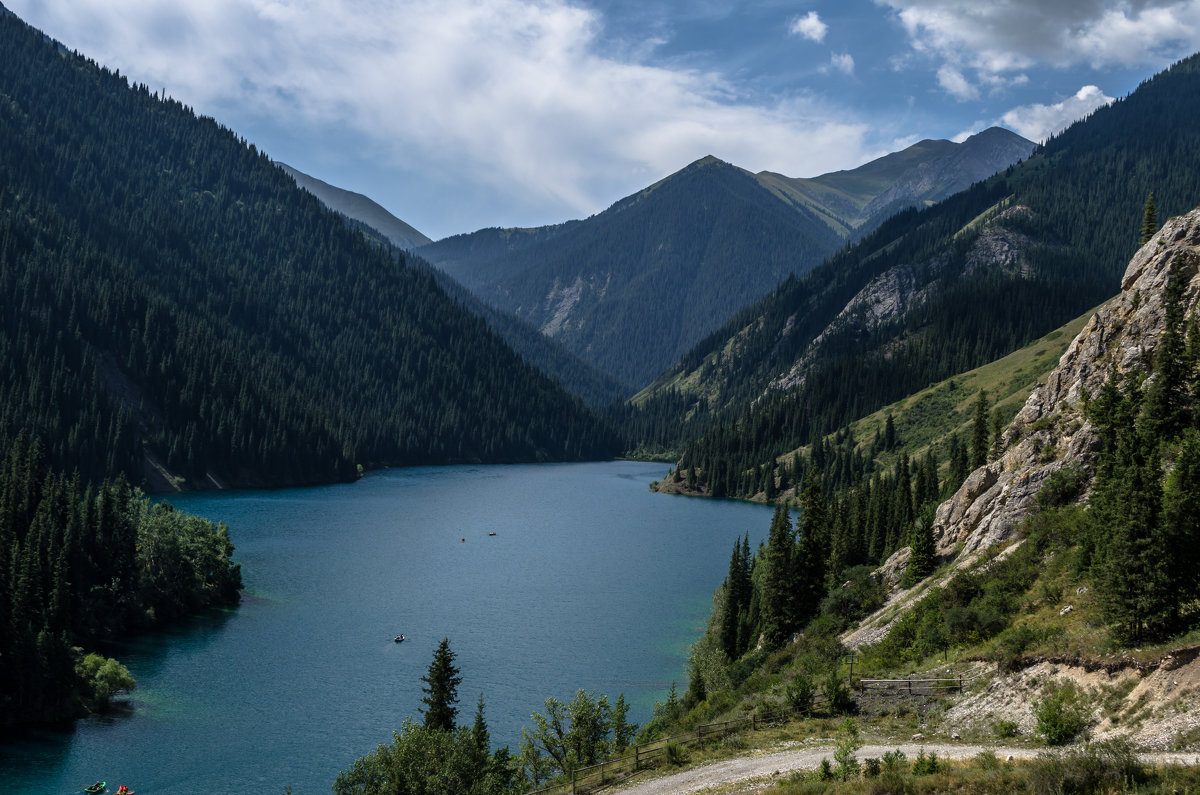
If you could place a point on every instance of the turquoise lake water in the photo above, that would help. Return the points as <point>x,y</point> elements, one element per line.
<point>591,581</point>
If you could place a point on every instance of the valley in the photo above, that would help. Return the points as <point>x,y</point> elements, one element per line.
<point>938,409</point>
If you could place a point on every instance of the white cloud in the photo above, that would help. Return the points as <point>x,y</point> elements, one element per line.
<point>810,27</point>
<point>1038,122</point>
<point>511,94</point>
<point>998,38</point>
<point>841,62</point>
<point>955,84</point>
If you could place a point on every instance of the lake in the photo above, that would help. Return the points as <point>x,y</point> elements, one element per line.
<point>590,581</point>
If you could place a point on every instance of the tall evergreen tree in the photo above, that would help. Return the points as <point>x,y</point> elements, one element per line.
<point>1149,219</point>
<point>979,433</point>
<point>1165,412</point>
<point>778,588</point>
<point>441,689</point>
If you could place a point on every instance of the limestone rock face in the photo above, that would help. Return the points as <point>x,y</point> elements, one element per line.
<point>1050,431</point>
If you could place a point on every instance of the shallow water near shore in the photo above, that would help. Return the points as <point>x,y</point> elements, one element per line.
<point>590,581</point>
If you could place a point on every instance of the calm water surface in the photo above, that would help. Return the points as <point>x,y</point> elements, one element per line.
<point>591,582</point>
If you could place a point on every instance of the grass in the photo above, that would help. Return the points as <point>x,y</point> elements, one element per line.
<point>944,408</point>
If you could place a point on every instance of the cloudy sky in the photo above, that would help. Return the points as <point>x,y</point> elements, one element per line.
<point>461,114</point>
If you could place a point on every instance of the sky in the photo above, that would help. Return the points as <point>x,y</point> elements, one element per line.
<point>457,115</point>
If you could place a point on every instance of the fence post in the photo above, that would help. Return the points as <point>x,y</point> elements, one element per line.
<point>753,721</point>
<point>572,782</point>
<point>601,773</point>
<point>636,757</point>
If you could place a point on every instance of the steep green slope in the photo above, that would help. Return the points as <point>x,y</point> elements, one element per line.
<point>937,292</point>
<point>631,289</point>
<point>167,296</point>
<point>576,376</point>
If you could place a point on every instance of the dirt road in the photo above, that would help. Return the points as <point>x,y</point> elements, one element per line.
<point>806,758</point>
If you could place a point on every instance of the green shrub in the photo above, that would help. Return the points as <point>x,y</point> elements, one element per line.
<point>1061,714</point>
<point>871,767</point>
<point>675,754</point>
<point>799,694</point>
<point>1006,728</point>
<point>987,761</point>
<point>1110,766</point>
<point>926,765</point>
<point>837,695</point>
<point>893,761</point>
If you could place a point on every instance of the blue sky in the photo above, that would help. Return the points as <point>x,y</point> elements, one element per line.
<point>461,114</point>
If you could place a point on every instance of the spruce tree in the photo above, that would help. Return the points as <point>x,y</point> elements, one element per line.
<point>441,689</point>
<point>1149,219</point>
<point>777,589</point>
<point>979,435</point>
<point>1166,406</point>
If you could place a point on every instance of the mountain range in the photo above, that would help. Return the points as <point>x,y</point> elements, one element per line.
<point>632,289</point>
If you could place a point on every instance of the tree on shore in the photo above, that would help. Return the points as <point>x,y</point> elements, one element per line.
<point>441,689</point>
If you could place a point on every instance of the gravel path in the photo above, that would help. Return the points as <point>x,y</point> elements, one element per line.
<point>751,767</point>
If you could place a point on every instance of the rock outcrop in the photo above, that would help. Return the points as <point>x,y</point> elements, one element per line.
<point>1051,431</point>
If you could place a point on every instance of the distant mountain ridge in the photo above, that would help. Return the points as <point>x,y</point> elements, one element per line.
<point>630,289</point>
<point>856,201</point>
<point>359,207</point>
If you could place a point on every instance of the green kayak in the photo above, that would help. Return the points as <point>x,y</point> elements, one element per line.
<point>96,788</point>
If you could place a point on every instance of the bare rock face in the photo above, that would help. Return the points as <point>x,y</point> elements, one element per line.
<point>1051,432</point>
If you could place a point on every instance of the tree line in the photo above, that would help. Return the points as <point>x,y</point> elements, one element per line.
<point>80,564</point>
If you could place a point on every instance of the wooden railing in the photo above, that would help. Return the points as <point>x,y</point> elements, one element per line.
<point>912,687</point>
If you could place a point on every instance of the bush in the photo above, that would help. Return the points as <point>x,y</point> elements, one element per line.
<point>1061,714</point>
<point>925,765</point>
<point>675,754</point>
<point>893,761</point>
<point>1110,766</point>
<point>987,761</point>
<point>837,695</point>
<point>871,767</point>
<point>1006,728</point>
<point>799,694</point>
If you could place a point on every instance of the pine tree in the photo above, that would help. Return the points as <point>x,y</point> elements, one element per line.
<point>979,436</point>
<point>923,558</point>
<point>1149,219</point>
<point>1166,400</point>
<point>441,689</point>
<point>812,551</point>
<point>778,582</point>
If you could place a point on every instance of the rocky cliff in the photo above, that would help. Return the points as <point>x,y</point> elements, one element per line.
<point>1051,432</point>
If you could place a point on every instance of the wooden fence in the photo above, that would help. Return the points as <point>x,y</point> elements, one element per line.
<point>912,687</point>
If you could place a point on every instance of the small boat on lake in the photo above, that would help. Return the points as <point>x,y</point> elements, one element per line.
<point>399,638</point>
<point>492,533</point>
<point>98,787</point>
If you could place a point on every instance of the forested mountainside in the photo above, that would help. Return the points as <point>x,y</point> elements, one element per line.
<point>359,207</point>
<point>172,303</point>
<point>597,389</point>
<point>936,292</point>
<point>631,289</point>
<point>856,201</point>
